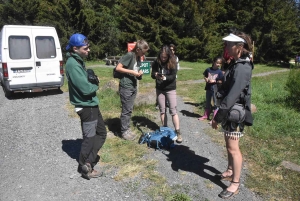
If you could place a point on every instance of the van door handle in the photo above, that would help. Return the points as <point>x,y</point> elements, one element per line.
<point>38,63</point>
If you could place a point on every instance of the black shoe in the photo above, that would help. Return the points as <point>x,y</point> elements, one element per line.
<point>86,168</point>
<point>225,194</point>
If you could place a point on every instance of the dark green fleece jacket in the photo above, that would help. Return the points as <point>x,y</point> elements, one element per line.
<point>82,93</point>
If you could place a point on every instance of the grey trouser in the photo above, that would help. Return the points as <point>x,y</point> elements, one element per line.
<point>127,96</point>
<point>94,135</point>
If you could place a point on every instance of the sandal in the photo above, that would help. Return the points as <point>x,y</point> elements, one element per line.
<point>225,194</point>
<point>225,178</point>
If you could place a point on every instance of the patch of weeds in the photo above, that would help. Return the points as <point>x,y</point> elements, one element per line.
<point>179,197</point>
<point>209,184</point>
<point>132,186</point>
<point>126,155</point>
<point>71,111</point>
<point>158,191</point>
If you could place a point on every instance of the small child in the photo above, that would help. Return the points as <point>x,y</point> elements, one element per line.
<point>212,76</point>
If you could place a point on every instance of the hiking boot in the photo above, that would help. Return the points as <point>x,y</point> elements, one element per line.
<point>179,138</point>
<point>128,135</point>
<point>86,168</point>
<point>92,174</point>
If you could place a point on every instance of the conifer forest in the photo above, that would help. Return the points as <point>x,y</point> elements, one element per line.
<point>196,27</point>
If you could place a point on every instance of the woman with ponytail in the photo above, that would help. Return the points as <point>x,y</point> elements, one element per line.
<point>236,89</point>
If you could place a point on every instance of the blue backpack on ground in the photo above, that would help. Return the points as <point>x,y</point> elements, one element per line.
<point>162,138</point>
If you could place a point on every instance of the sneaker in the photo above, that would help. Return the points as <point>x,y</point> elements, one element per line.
<point>128,135</point>
<point>179,138</point>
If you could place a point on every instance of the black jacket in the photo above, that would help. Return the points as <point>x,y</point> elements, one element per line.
<point>236,88</point>
<point>170,74</point>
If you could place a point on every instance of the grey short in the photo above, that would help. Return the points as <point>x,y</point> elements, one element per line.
<point>170,96</point>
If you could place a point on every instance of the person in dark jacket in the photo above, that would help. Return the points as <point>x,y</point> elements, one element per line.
<point>83,96</point>
<point>236,88</point>
<point>164,70</point>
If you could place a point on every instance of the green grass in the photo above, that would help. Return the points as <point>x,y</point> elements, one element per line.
<point>273,138</point>
<point>188,71</point>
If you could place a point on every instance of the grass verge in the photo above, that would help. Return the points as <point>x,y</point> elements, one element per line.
<point>273,138</point>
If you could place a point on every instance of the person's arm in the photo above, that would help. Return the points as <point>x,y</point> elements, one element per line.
<point>122,69</point>
<point>241,78</point>
<point>177,60</point>
<point>80,81</point>
<point>171,76</point>
<point>205,74</point>
<point>122,66</point>
<point>220,77</point>
<point>155,70</point>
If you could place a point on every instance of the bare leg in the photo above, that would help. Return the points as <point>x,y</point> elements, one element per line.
<point>175,120</point>
<point>165,124</point>
<point>234,154</point>
<point>229,156</point>
<point>162,118</point>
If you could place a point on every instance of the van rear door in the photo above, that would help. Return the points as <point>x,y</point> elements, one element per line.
<point>47,56</point>
<point>19,57</point>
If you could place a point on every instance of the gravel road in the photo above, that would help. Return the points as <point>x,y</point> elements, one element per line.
<point>39,145</point>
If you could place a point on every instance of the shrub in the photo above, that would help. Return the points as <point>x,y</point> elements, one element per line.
<point>293,85</point>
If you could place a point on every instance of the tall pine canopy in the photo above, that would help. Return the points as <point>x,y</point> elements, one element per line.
<point>196,27</point>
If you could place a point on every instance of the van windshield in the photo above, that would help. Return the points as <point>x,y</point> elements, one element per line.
<point>45,47</point>
<point>19,47</point>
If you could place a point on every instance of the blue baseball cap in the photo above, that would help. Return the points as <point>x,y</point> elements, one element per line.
<point>77,40</point>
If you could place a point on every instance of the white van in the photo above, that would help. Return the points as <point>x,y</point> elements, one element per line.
<point>30,59</point>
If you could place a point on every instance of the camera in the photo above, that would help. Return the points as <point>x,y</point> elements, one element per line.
<point>92,78</point>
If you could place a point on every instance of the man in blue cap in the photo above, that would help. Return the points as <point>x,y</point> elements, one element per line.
<point>83,96</point>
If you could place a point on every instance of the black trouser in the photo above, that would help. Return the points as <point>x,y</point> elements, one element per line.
<point>94,135</point>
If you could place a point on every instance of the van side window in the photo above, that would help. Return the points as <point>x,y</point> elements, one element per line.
<point>19,47</point>
<point>45,47</point>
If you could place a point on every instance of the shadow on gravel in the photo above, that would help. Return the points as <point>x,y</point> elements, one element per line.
<point>139,121</point>
<point>184,159</point>
<point>114,125</point>
<point>189,114</point>
<point>194,104</point>
<point>72,148</point>
<point>15,96</point>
